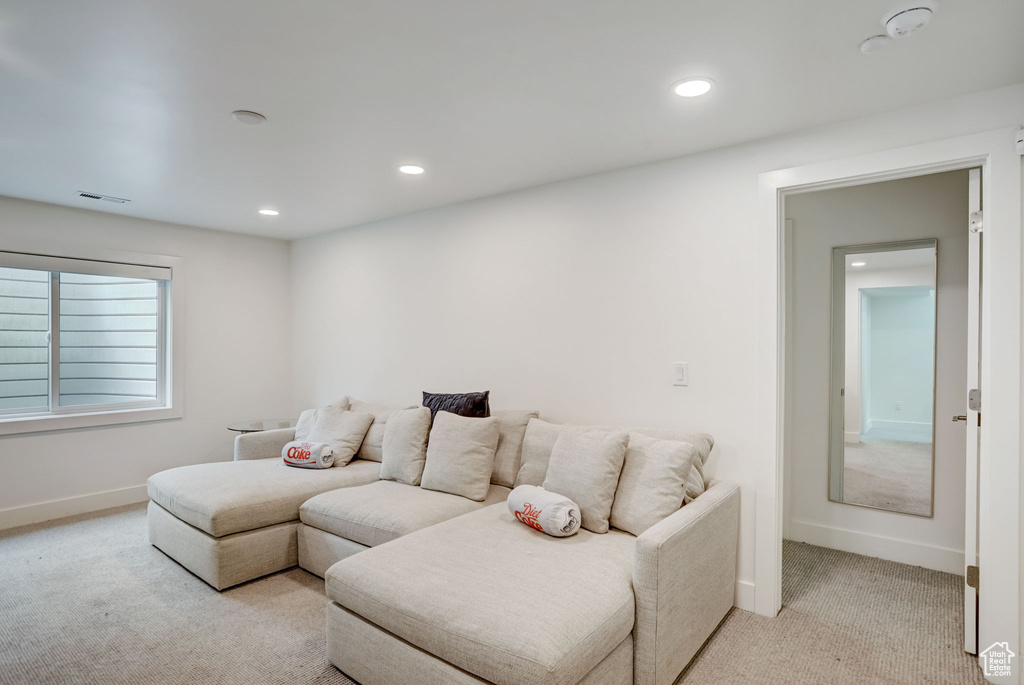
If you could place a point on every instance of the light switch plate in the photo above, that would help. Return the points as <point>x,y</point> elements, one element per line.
<point>681,373</point>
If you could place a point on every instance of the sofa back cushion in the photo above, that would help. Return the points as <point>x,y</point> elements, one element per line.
<point>373,443</point>
<point>460,455</point>
<point>540,438</point>
<point>509,455</point>
<point>653,482</point>
<point>584,466</point>
<point>404,448</point>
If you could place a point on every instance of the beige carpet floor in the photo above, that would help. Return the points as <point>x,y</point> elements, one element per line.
<point>846,620</point>
<point>889,474</point>
<point>88,600</point>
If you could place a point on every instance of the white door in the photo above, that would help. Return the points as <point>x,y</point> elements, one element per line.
<point>972,410</point>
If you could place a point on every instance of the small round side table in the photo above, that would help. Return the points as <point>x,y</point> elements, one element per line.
<point>261,425</point>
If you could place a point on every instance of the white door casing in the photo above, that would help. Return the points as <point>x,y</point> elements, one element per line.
<point>973,423</point>
<point>999,454</point>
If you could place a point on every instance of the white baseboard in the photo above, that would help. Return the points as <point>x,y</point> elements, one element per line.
<point>879,546</point>
<point>744,595</point>
<point>913,431</point>
<point>59,508</point>
<point>851,437</point>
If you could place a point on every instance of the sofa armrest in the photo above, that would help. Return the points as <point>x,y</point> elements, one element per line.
<point>262,445</point>
<point>684,579</point>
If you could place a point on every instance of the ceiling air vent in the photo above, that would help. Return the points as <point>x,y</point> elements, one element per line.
<point>107,198</point>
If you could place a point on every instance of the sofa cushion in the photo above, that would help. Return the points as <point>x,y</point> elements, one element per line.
<point>540,438</point>
<point>372,447</point>
<point>652,483</point>
<point>383,511</point>
<point>509,455</point>
<point>585,467</point>
<point>233,496</point>
<point>404,449</point>
<point>498,599</point>
<point>460,455</point>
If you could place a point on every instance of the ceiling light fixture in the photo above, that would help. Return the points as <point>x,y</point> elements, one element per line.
<point>858,263</point>
<point>693,87</point>
<point>244,116</point>
<point>411,169</point>
<point>874,44</point>
<point>269,212</point>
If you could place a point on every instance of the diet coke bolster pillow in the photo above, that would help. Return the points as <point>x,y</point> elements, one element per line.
<point>308,455</point>
<point>548,512</point>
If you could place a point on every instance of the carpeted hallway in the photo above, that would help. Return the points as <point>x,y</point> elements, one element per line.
<point>88,600</point>
<point>846,620</point>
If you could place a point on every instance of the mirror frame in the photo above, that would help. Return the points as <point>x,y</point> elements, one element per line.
<point>837,359</point>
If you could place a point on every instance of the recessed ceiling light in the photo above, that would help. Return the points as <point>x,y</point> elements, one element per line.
<point>269,212</point>
<point>693,87</point>
<point>858,263</point>
<point>875,44</point>
<point>244,116</point>
<point>411,169</point>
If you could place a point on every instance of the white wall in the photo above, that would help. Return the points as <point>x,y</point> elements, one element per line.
<point>575,298</point>
<point>917,208</point>
<point>902,368</point>
<point>855,281</point>
<point>236,363</point>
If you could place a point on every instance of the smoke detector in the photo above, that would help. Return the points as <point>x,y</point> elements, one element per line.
<point>904,20</point>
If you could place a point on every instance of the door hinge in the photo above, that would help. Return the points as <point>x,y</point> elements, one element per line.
<point>972,577</point>
<point>977,221</point>
<point>974,400</point>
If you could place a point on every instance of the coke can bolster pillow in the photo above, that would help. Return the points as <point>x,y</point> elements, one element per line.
<point>308,455</point>
<point>546,511</point>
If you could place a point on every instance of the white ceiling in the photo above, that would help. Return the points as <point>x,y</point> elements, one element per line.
<point>133,99</point>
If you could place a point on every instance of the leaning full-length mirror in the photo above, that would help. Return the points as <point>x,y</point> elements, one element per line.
<point>883,376</point>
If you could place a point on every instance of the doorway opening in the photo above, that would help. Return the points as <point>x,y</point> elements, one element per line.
<point>877,347</point>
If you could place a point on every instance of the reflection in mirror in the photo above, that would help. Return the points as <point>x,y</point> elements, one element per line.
<point>883,376</point>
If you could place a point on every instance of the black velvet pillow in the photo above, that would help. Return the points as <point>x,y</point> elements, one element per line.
<point>475,405</point>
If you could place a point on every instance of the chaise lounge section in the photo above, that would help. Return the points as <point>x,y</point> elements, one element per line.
<point>482,598</point>
<point>231,522</point>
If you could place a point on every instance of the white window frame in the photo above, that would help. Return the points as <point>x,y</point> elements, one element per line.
<point>170,339</point>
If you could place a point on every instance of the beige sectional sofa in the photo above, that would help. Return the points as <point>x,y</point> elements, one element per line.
<point>427,586</point>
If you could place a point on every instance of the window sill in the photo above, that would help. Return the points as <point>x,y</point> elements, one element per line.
<point>56,422</point>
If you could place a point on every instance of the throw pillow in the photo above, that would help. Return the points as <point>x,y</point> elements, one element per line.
<point>539,438</point>
<point>373,445</point>
<point>585,466</point>
<point>508,457</point>
<point>475,404</point>
<point>342,430</point>
<point>460,455</point>
<point>404,448</point>
<point>653,482</point>
<point>308,417</point>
